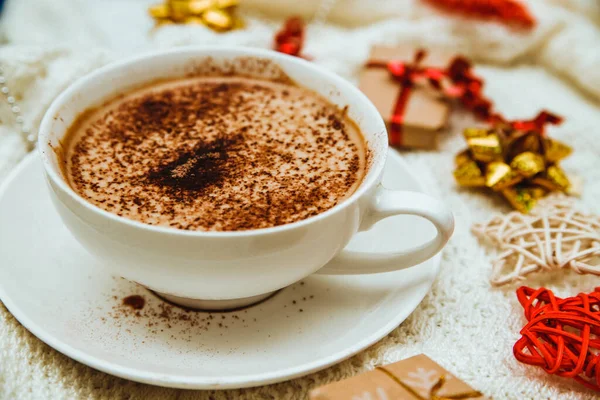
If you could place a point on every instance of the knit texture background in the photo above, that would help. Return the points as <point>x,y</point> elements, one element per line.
<point>463,323</point>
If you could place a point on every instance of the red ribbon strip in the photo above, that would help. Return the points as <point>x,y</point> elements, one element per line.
<point>538,124</point>
<point>562,335</point>
<point>510,12</point>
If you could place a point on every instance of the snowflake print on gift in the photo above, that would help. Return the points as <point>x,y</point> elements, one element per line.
<point>381,395</point>
<point>422,380</point>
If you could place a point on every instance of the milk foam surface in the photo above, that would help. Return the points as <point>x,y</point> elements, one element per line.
<point>215,153</point>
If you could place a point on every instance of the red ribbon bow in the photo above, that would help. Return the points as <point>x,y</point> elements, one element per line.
<point>562,336</point>
<point>290,39</point>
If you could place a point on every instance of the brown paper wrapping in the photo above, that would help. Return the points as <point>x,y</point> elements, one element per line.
<point>426,113</point>
<point>419,373</point>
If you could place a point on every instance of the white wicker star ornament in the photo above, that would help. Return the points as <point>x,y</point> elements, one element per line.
<point>553,236</point>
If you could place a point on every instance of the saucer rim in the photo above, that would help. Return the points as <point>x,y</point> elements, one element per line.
<point>199,382</point>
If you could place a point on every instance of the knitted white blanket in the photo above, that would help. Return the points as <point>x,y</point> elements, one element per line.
<point>463,323</point>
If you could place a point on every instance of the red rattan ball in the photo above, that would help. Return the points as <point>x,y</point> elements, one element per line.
<point>562,335</point>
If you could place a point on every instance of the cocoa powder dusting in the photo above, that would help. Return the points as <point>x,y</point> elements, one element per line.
<point>160,317</point>
<point>134,301</point>
<point>207,164</point>
<point>218,153</point>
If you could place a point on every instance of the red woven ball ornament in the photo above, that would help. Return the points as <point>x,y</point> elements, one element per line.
<point>563,335</point>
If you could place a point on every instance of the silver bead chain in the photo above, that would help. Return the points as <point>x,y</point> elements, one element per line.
<point>28,137</point>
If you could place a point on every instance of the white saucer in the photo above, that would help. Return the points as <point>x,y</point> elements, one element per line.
<point>59,293</point>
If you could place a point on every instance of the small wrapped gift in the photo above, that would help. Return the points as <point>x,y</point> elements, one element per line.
<point>416,378</point>
<point>414,116</point>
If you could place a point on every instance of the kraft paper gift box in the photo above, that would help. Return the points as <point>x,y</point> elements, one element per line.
<point>416,378</point>
<point>426,112</point>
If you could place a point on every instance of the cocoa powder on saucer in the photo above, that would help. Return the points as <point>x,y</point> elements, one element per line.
<point>159,316</point>
<point>134,301</point>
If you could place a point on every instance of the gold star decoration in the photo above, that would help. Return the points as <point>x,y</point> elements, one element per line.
<point>516,160</point>
<point>554,236</point>
<point>218,15</point>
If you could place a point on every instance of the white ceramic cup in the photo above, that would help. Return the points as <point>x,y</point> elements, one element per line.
<point>220,270</point>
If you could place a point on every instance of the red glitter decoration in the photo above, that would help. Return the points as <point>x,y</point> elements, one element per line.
<point>468,89</point>
<point>562,335</point>
<point>510,12</point>
<point>290,39</point>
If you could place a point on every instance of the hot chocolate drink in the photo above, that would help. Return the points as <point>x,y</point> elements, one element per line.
<point>210,153</point>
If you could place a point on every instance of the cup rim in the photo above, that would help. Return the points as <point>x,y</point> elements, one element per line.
<point>45,129</point>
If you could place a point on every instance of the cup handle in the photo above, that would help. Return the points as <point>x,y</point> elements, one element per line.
<point>386,203</point>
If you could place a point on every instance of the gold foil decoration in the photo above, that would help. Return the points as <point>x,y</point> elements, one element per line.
<point>462,157</point>
<point>553,179</point>
<point>528,164</point>
<point>179,10</point>
<point>217,19</point>
<point>197,7</point>
<point>520,165</point>
<point>499,175</point>
<point>537,192</point>
<point>486,148</point>
<point>194,20</point>
<point>468,174</point>
<point>555,150</point>
<point>522,143</point>
<point>469,133</point>
<point>218,15</point>
<point>225,4</point>
<point>522,199</point>
<point>160,11</point>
